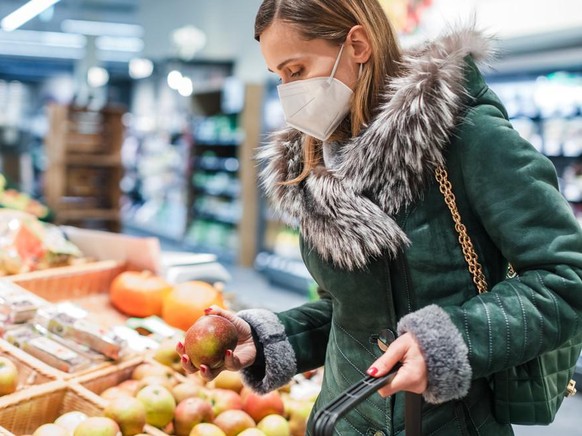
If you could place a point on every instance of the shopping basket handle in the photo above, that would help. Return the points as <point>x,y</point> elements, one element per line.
<point>325,419</point>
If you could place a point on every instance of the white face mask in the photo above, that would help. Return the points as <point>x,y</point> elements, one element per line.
<point>316,106</point>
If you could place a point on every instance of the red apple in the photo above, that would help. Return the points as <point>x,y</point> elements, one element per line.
<point>233,422</point>
<point>8,376</point>
<point>207,340</point>
<point>206,429</point>
<point>224,399</point>
<point>259,406</point>
<point>129,413</point>
<point>190,412</point>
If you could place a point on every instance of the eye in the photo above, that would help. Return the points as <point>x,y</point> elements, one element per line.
<point>296,73</point>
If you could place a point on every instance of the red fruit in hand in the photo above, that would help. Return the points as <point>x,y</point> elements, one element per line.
<point>207,340</point>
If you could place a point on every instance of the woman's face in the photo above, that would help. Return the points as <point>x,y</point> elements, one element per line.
<point>293,58</point>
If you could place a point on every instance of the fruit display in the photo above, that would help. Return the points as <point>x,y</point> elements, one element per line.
<point>62,372</point>
<point>187,405</point>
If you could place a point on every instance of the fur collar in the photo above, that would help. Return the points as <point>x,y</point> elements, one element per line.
<point>346,215</point>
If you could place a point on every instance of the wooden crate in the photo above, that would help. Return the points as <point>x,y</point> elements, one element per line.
<point>31,372</point>
<point>70,282</point>
<point>23,412</point>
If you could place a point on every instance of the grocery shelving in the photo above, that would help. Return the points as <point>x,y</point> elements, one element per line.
<point>546,109</point>
<point>81,182</point>
<point>193,181</point>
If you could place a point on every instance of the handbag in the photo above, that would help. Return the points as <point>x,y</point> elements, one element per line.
<point>530,393</point>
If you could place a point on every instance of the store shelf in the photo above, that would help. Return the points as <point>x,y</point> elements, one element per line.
<point>284,271</point>
<point>82,180</point>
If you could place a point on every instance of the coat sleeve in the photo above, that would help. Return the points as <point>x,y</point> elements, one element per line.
<point>513,191</point>
<point>288,342</point>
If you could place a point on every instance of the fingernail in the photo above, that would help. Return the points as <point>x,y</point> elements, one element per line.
<point>372,371</point>
<point>180,345</point>
<point>184,359</point>
<point>207,311</point>
<point>228,353</point>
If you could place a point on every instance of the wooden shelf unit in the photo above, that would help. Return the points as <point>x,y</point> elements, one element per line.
<point>81,182</point>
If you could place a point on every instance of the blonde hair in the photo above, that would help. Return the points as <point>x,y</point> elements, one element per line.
<point>332,20</point>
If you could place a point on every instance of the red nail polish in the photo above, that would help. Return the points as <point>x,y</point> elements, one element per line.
<point>184,359</point>
<point>372,371</point>
<point>228,353</point>
<point>180,345</point>
<point>207,311</point>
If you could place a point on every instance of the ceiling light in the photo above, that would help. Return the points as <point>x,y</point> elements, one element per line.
<point>97,77</point>
<point>174,79</point>
<point>186,87</point>
<point>101,28</point>
<point>25,13</point>
<point>140,68</point>
<point>114,43</point>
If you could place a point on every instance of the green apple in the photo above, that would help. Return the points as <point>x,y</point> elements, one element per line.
<point>97,426</point>
<point>71,420</point>
<point>129,413</point>
<point>159,405</point>
<point>8,376</point>
<point>51,430</point>
<point>167,355</point>
<point>206,429</point>
<point>274,425</point>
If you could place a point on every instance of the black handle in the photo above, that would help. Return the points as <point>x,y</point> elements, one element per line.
<point>326,418</point>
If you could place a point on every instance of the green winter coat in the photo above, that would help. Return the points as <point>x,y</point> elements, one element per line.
<point>379,240</point>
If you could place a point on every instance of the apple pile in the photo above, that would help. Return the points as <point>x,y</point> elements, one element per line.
<point>190,406</point>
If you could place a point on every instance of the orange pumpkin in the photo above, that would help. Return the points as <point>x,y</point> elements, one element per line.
<point>187,301</point>
<point>138,293</point>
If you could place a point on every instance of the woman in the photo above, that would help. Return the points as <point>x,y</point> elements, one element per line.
<point>369,126</point>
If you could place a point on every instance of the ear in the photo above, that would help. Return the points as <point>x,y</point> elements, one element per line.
<point>359,42</point>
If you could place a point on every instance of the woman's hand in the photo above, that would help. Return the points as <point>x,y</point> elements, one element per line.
<point>242,356</point>
<point>412,375</point>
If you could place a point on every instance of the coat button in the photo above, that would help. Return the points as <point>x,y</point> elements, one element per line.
<point>379,433</point>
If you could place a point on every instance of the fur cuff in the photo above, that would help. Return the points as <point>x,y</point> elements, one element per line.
<point>445,352</point>
<point>280,362</point>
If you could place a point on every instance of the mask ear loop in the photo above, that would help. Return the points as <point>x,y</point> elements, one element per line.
<point>335,65</point>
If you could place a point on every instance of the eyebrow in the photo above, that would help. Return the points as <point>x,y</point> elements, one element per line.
<point>282,64</point>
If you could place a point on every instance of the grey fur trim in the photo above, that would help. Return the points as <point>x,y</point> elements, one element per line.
<point>345,215</point>
<point>445,352</point>
<point>280,361</point>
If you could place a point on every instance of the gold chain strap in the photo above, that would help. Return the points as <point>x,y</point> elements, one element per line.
<point>466,245</point>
